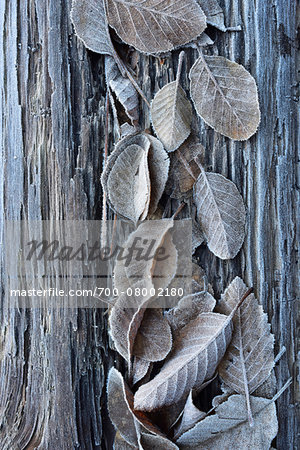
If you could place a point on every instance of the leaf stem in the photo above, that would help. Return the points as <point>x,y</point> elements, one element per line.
<point>179,68</point>
<point>280,354</point>
<point>126,72</point>
<point>281,391</point>
<point>250,291</point>
<point>179,209</point>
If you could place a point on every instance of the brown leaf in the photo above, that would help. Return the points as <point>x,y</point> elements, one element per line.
<point>153,27</point>
<point>171,113</point>
<point>188,308</point>
<point>153,268</point>
<point>135,176</point>
<point>214,13</point>
<point>250,356</point>
<point>220,213</point>
<point>229,426</point>
<point>90,23</point>
<point>225,96</point>
<point>140,369</point>
<point>191,415</point>
<point>198,349</point>
<point>184,170</point>
<point>123,89</point>
<point>152,442</point>
<point>154,339</point>
<point>118,408</point>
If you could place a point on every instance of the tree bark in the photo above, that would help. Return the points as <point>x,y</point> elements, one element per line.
<point>54,361</point>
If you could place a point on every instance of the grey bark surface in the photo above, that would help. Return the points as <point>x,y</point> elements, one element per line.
<point>54,361</point>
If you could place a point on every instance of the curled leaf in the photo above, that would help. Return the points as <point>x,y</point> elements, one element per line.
<point>158,264</point>
<point>153,27</point>
<point>225,96</point>
<point>140,369</point>
<point>198,349</point>
<point>90,23</point>
<point>135,176</point>
<point>118,408</point>
<point>154,339</point>
<point>123,89</point>
<point>221,214</point>
<point>126,317</point>
<point>124,417</point>
<point>229,426</point>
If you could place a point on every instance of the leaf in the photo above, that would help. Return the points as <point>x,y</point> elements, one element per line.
<point>191,415</point>
<point>191,285</point>
<point>214,13</point>
<point>154,339</point>
<point>197,236</point>
<point>123,89</point>
<point>229,426</point>
<point>127,130</point>
<point>159,164</point>
<point>171,113</point>
<point>135,176</point>
<point>149,265</point>
<point>268,388</point>
<point>128,183</point>
<point>122,413</point>
<point>140,369</point>
<point>225,96</point>
<point>184,169</point>
<point>126,317</point>
<point>118,408</point>
<point>90,23</point>
<point>152,442</point>
<point>188,308</point>
<point>197,351</point>
<point>250,356</point>
<point>220,213</point>
<point>121,444</point>
<point>154,27</point>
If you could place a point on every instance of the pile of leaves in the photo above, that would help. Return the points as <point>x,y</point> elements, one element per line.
<point>173,354</point>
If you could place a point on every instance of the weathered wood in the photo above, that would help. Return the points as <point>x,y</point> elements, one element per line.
<point>53,362</point>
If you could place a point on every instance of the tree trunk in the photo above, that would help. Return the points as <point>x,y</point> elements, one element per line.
<point>54,361</point>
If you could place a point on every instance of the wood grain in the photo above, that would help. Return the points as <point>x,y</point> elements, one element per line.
<point>54,362</point>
